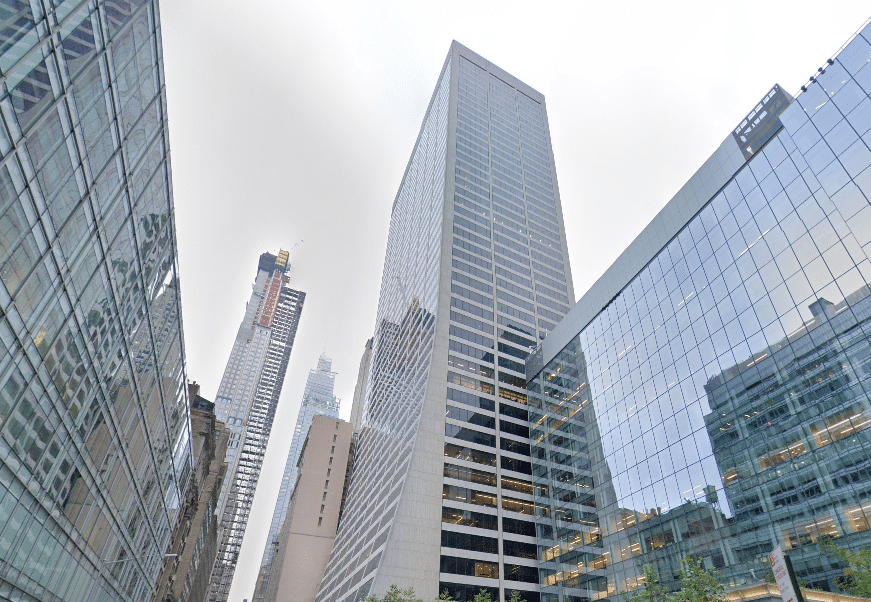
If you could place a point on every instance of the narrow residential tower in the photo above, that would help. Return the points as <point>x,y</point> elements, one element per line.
<point>247,399</point>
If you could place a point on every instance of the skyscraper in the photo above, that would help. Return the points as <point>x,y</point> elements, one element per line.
<point>317,400</point>
<point>95,448</point>
<point>247,399</point>
<point>309,527</point>
<point>710,395</point>
<point>476,273</point>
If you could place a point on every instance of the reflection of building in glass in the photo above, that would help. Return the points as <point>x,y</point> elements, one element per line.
<point>359,400</point>
<point>247,399</point>
<point>720,368</point>
<point>564,451</point>
<point>476,273</point>
<point>317,400</point>
<point>95,446</point>
<point>788,427</point>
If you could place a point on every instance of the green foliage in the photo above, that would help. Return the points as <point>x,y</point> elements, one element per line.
<point>444,597</point>
<point>652,591</point>
<point>515,597</point>
<point>698,584</point>
<point>857,576</point>
<point>769,577</point>
<point>483,596</point>
<point>394,594</point>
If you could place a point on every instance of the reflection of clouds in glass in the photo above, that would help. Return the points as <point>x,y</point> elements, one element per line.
<point>726,377</point>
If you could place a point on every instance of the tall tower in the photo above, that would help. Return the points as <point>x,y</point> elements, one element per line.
<point>476,273</point>
<point>247,399</point>
<point>95,446</point>
<point>317,400</point>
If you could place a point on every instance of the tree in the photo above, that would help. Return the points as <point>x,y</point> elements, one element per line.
<point>445,597</point>
<point>698,584</point>
<point>652,591</point>
<point>857,576</point>
<point>483,596</point>
<point>394,594</point>
<point>515,597</point>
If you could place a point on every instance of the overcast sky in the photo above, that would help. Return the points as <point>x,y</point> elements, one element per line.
<point>294,121</point>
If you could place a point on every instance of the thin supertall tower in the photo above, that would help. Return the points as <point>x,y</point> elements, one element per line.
<point>317,400</point>
<point>247,399</point>
<point>476,274</point>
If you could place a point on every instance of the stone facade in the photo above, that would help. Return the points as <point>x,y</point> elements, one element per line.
<point>184,576</point>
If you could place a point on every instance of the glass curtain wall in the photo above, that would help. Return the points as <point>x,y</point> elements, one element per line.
<point>719,405</point>
<point>94,420</point>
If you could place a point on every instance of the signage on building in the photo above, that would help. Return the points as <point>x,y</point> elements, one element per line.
<point>784,576</point>
<point>762,122</point>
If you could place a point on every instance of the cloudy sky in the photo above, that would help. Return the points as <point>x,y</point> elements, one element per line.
<point>294,121</point>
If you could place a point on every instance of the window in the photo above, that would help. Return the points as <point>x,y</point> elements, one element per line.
<point>322,508</point>
<point>327,484</point>
<point>519,549</point>
<point>334,438</point>
<point>320,520</point>
<point>470,474</point>
<point>472,519</point>
<point>470,567</point>
<point>325,496</point>
<point>333,450</point>
<point>467,541</point>
<point>329,470</point>
<point>337,427</point>
<point>331,461</point>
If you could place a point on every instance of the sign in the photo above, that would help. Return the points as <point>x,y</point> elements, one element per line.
<point>784,576</point>
<point>762,122</point>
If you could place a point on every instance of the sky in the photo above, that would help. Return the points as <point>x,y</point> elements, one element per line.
<point>293,121</point>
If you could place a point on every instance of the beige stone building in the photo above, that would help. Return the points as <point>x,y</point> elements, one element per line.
<point>313,515</point>
<point>184,576</point>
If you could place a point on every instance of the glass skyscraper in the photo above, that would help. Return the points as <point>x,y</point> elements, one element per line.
<point>476,273</point>
<point>317,400</point>
<point>94,419</point>
<point>711,394</point>
<point>247,399</point>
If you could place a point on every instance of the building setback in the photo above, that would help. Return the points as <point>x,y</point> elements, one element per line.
<point>710,395</point>
<point>95,447</point>
<point>359,401</point>
<point>309,527</point>
<point>317,400</point>
<point>476,273</point>
<point>247,399</point>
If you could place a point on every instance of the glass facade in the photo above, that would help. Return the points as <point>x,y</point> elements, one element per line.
<point>719,405</point>
<point>317,400</point>
<point>247,399</point>
<point>94,419</point>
